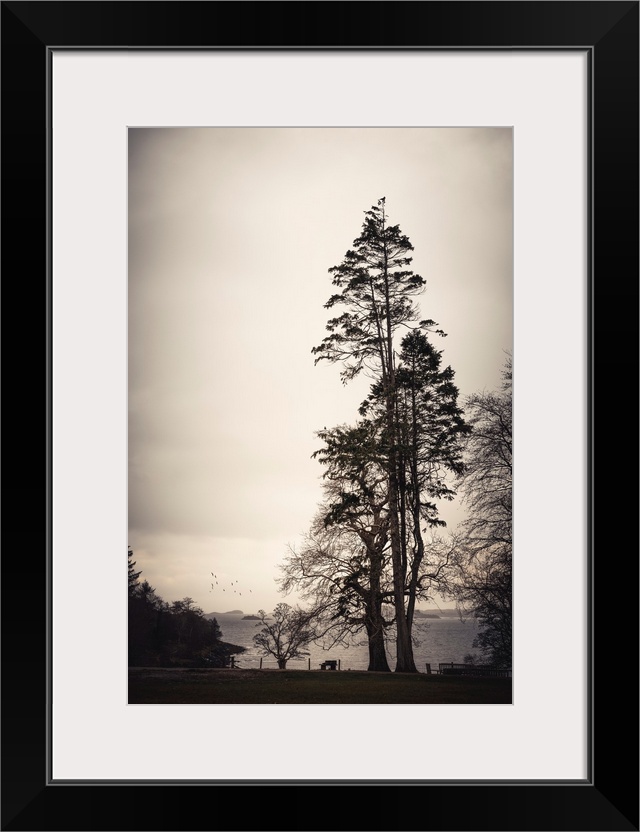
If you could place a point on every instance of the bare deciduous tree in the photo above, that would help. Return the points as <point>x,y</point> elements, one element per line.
<point>286,634</point>
<point>485,545</point>
<point>343,569</point>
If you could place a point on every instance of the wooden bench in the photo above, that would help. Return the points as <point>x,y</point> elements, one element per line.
<point>331,665</point>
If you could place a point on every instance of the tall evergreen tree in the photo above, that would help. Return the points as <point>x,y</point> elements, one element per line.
<point>432,430</point>
<point>377,290</point>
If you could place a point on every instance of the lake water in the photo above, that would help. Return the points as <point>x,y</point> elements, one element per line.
<point>445,639</point>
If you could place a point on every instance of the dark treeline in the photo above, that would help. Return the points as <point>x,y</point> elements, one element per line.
<point>171,635</point>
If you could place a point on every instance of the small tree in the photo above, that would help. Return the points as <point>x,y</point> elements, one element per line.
<point>216,632</point>
<point>132,575</point>
<point>284,636</point>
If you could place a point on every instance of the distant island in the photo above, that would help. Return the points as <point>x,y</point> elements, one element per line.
<point>440,612</point>
<point>251,618</point>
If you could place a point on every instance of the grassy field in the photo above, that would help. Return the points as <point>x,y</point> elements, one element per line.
<point>153,686</point>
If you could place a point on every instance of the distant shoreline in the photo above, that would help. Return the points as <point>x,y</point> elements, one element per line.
<point>433,614</point>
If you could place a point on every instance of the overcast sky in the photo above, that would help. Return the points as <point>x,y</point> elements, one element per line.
<point>231,234</point>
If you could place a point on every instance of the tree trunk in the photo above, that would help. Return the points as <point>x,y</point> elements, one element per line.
<point>415,566</point>
<point>418,555</point>
<point>374,621</point>
<point>404,649</point>
<point>377,653</point>
<point>375,634</point>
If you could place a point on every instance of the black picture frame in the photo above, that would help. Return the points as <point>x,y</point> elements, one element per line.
<point>608,799</point>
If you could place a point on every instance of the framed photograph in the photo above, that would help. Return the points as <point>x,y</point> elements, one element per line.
<point>127,124</point>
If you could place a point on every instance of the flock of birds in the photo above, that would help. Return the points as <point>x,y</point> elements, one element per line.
<point>233,583</point>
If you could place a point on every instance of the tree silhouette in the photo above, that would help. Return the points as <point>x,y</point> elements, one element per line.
<point>486,545</point>
<point>286,634</point>
<point>432,429</point>
<point>342,564</point>
<point>377,290</point>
